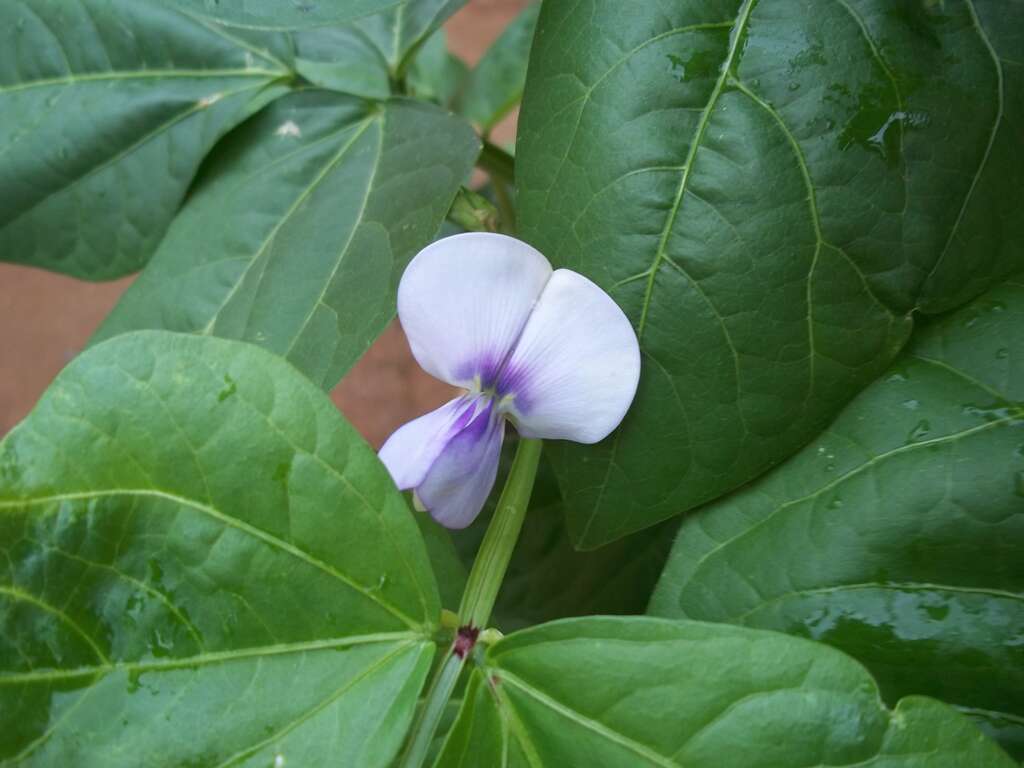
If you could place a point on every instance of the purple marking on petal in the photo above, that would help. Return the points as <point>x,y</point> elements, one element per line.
<point>459,481</point>
<point>414,447</point>
<point>487,367</point>
<point>515,381</point>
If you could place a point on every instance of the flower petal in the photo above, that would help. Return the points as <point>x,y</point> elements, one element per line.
<point>414,447</point>
<point>458,483</point>
<point>464,300</point>
<point>575,369</point>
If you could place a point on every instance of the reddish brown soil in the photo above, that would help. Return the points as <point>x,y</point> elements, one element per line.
<point>46,318</point>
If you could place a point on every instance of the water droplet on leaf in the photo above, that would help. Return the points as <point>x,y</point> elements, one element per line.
<point>920,431</point>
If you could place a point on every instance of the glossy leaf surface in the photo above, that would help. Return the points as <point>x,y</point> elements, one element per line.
<point>632,692</point>
<point>496,83</point>
<point>107,108</point>
<point>897,534</point>
<point>301,226</point>
<point>768,189</point>
<point>203,564</point>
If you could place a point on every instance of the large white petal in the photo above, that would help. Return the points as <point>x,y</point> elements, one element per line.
<point>575,369</point>
<point>460,480</point>
<point>463,302</point>
<point>414,447</point>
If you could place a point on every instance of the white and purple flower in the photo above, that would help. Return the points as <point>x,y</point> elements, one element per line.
<point>547,350</point>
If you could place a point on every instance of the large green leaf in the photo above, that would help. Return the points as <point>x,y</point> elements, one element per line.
<point>107,108</point>
<point>632,692</point>
<point>768,189</point>
<point>203,564</point>
<point>897,534</point>
<point>496,83</point>
<point>299,230</point>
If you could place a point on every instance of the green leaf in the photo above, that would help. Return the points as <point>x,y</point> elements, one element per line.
<point>636,692</point>
<point>203,564</point>
<point>107,108</point>
<point>342,59</point>
<point>301,226</point>
<point>436,74</point>
<point>449,571</point>
<point>368,56</point>
<point>768,190</point>
<point>287,14</point>
<point>496,83</point>
<point>897,534</point>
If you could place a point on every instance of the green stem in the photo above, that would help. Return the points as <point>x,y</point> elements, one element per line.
<point>506,208</point>
<point>478,600</point>
<point>498,163</point>
<point>502,534</point>
<point>433,709</point>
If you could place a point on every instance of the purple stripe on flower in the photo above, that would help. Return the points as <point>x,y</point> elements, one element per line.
<point>460,480</point>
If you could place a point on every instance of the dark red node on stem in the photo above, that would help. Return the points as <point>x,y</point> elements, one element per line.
<point>465,639</point>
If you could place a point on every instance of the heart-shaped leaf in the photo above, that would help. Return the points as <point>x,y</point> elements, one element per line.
<point>631,692</point>
<point>768,189</point>
<point>301,227</point>
<point>897,534</point>
<point>203,564</point>
<point>107,108</point>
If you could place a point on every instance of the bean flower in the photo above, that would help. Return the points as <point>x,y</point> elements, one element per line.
<point>546,350</point>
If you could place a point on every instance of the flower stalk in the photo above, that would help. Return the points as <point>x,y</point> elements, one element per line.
<point>502,534</point>
<point>485,579</point>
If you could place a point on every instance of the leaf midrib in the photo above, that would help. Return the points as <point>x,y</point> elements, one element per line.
<point>358,129</point>
<point>233,522</point>
<point>1000,99</point>
<point>867,464</point>
<point>381,663</point>
<point>738,27</point>
<point>142,74</point>
<point>214,657</point>
<point>599,729</point>
<point>109,162</point>
<point>738,30</point>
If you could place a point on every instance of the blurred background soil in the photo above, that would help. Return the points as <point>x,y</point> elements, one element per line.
<point>45,319</point>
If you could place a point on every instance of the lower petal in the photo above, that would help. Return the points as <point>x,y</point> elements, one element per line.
<point>460,480</point>
<point>414,447</point>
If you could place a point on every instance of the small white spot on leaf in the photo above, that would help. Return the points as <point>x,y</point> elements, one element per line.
<point>288,129</point>
<point>208,101</point>
<point>279,761</point>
